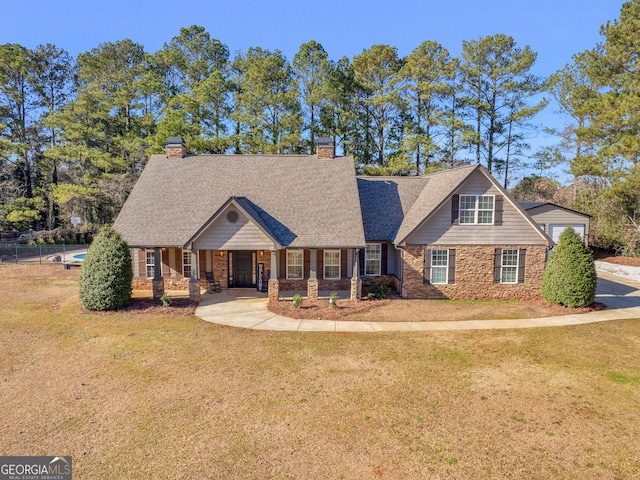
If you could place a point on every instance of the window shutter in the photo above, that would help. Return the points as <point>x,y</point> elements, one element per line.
<point>455,206</point>
<point>522,253</point>
<point>452,265</point>
<point>165,259</point>
<point>202,263</point>
<point>178,260</point>
<point>497,263</point>
<point>361,261</point>
<point>282,271</point>
<point>383,259</point>
<point>306,264</point>
<point>426,276</point>
<point>142,263</point>
<point>343,263</point>
<point>499,208</point>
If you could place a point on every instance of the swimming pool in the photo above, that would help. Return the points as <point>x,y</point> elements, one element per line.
<point>80,256</point>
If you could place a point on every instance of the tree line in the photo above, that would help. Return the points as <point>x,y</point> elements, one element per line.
<point>76,132</point>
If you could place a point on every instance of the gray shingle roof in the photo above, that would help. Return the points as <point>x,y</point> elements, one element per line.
<point>532,205</point>
<point>300,200</point>
<point>528,205</point>
<point>385,201</point>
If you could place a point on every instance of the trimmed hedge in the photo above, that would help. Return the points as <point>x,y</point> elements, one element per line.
<point>107,274</point>
<point>570,275</point>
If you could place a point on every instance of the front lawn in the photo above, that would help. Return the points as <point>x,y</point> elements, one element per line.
<point>168,396</point>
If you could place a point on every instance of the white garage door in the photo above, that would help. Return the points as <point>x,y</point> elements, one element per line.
<point>556,230</point>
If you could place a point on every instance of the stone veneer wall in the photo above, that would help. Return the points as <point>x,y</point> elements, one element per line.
<point>474,274</point>
<point>342,284</point>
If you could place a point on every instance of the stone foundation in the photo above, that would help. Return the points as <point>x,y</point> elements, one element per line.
<point>157,286</point>
<point>474,275</point>
<point>356,290</point>
<point>274,290</point>
<point>312,290</point>
<point>194,291</point>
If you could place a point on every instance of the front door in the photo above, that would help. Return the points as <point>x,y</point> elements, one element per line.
<point>243,269</point>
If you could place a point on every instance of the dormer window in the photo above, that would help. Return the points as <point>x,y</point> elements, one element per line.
<point>476,209</point>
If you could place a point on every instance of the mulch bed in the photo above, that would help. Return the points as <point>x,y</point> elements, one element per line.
<point>179,306</point>
<point>611,257</point>
<point>321,310</point>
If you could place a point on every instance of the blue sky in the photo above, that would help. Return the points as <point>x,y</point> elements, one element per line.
<point>556,29</point>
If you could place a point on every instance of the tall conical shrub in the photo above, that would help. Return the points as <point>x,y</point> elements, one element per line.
<point>570,275</point>
<point>107,274</point>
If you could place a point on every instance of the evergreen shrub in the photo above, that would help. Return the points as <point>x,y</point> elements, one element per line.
<point>570,274</point>
<point>107,274</point>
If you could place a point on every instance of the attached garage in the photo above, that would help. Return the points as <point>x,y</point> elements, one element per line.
<point>553,219</point>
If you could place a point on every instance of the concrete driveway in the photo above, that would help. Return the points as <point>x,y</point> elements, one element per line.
<point>248,309</point>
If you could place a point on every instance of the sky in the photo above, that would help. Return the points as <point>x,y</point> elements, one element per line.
<point>555,29</point>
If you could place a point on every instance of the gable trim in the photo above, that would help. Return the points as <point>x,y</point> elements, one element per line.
<point>505,196</point>
<point>231,201</point>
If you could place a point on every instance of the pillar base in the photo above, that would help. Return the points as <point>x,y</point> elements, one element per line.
<point>312,290</point>
<point>157,287</point>
<point>194,291</point>
<point>274,290</point>
<point>356,290</point>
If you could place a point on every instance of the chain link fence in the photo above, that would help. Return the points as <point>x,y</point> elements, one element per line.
<point>42,254</point>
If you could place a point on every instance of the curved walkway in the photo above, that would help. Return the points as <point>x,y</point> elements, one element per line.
<point>621,296</point>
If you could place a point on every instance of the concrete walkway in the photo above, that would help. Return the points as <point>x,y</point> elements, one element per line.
<point>248,309</point>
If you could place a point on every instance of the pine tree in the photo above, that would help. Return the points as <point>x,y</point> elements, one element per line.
<point>105,281</point>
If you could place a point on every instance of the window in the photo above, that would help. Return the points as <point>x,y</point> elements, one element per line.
<point>476,209</point>
<point>439,265</point>
<point>151,262</point>
<point>332,264</point>
<point>372,259</point>
<point>295,260</point>
<point>186,263</point>
<point>509,268</point>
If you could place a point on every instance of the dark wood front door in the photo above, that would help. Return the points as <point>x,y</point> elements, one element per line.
<point>243,269</point>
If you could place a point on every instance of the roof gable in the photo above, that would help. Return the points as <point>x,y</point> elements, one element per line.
<point>431,201</point>
<point>440,187</point>
<point>534,205</point>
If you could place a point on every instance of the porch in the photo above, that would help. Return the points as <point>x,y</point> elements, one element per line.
<point>313,273</point>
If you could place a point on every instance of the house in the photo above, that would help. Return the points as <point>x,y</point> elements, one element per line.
<point>553,219</point>
<point>307,222</point>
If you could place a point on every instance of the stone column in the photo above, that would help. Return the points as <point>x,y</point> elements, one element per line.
<point>312,283</point>
<point>194,281</point>
<point>356,281</point>
<point>158,281</point>
<point>274,284</point>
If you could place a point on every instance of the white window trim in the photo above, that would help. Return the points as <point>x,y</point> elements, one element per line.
<point>379,258</point>
<point>151,264</point>
<point>476,209</point>
<point>184,264</point>
<point>295,265</point>
<point>503,266</point>
<point>446,267</point>
<point>325,264</point>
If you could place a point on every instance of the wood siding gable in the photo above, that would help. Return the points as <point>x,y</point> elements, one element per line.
<point>511,224</point>
<point>242,234</point>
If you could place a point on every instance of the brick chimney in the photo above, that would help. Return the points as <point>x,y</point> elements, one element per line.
<point>325,148</point>
<point>175,148</point>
